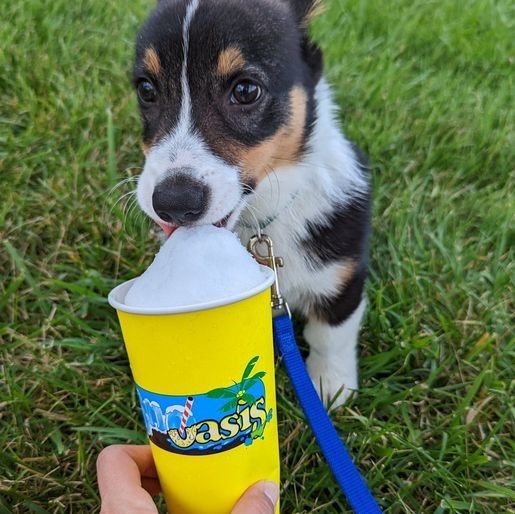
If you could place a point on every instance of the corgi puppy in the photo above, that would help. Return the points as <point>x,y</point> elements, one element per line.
<point>240,130</point>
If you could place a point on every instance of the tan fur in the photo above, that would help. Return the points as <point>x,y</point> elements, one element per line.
<point>145,147</point>
<point>281,149</point>
<point>347,270</point>
<point>151,61</point>
<point>317,8</point>
<point>230,60</point>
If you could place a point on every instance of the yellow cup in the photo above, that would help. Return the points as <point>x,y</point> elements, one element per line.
<point>206,385</point>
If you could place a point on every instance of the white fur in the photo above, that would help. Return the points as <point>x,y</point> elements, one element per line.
<point>184,148</point>
<point>307,191</point>
<point>185,114</point>
<point>332,362</point>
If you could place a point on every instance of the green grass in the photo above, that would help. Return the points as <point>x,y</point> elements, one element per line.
<point>426,87</point>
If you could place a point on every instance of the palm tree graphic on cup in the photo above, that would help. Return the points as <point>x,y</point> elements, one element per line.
<point>238,397</point>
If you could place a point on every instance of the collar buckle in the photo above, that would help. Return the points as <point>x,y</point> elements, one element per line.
<point>257,244</point>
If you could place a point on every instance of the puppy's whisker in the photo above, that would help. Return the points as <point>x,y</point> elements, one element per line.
<point>122,198</point>
<point>133,213</point>
<point>118,185</point>
<point>278,188</point>
<point>256,221</point>
<point>125,195</point>
<point>131,205</point>
<point>253,191</point>
<point>271,171</point>
<point>256,210</point>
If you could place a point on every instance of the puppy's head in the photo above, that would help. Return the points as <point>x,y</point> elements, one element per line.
<point>225,91</point>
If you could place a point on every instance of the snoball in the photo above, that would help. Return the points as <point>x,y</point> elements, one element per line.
<point>196,265</point>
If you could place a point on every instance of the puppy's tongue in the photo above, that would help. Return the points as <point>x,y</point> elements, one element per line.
<point>167,229</point>
<point>170,229</point>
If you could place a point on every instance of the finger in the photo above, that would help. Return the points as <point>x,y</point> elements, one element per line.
<point>151,485</point>
<point>261,498</point>
<point>119,472</point>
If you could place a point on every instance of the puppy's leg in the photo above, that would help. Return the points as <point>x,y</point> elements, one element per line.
<point>332,362</point>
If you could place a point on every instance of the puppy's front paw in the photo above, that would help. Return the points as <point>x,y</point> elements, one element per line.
<point>334,379</point>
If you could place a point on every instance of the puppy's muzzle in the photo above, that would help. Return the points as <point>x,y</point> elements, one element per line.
<point>179,199</point>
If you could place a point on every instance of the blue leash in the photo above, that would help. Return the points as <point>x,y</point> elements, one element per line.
<point>344,470</point>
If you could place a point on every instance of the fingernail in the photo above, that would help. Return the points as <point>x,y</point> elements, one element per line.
<point>271,490</point>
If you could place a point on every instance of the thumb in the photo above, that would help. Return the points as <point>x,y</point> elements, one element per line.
<point>261,498</point>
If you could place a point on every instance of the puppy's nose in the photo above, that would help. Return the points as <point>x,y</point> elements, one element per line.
<point>180,199</point>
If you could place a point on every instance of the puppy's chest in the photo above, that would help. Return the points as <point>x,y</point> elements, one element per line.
<point>303,279</point>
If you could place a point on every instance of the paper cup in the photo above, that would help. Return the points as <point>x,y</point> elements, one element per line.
<point>205,380</point>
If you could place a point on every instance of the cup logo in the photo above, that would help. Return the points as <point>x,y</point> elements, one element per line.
<point>213,422</point>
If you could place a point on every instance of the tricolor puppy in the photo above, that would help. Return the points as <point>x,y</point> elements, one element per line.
<point>239,129</point>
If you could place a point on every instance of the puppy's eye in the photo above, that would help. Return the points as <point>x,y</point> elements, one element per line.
<point>245,92</point>
<point>146,91</point>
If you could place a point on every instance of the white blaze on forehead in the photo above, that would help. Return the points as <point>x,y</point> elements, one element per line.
<point>185,115</point>
<point>184,147</point>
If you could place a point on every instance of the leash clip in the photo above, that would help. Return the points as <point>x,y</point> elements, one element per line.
<point>279,305</point>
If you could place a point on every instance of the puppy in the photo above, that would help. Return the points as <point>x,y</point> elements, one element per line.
<point>239,129</point>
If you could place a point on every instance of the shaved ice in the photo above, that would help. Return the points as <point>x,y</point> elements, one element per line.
<point>196,265</point>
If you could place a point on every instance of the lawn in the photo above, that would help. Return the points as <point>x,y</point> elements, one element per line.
<point>426,88</point>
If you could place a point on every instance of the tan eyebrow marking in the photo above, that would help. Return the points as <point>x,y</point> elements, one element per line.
<point>230,60</point>
<point>151,61</point>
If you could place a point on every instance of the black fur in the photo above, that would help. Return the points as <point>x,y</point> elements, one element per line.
<point>337,309</point>
<point>278,56</point>
<point>163,32</point>
<point>301,9</point>
<point>343,237</point>
<point>272,36</point>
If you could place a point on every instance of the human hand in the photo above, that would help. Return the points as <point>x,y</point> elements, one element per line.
<point>127,480</point>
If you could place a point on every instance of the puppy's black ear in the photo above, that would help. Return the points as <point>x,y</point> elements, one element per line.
<point>306,10</point>
<point>313,57</point>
